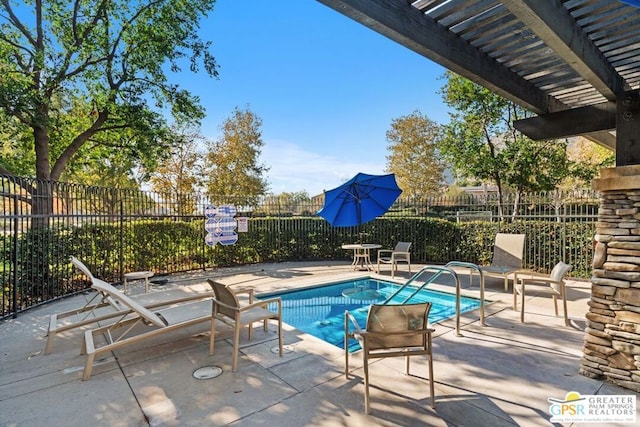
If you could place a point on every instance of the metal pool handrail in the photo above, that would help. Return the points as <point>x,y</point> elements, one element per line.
<point>438,271</point>
<point>472,266</point>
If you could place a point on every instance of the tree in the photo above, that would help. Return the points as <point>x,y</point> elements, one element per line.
<point>103,60</point>
<point>413,155</point>
<point>15,139</point>
<point>481,142</point>
<point>587,159</point>
<point>296,203</point>
<point>232,161</point>
<point>179,174</point>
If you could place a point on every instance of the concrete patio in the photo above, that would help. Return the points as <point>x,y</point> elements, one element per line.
<point>500,374</point>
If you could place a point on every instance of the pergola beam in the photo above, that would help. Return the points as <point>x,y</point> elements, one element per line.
<point>577,121</point>
<point>603,138</point>
<point>554,25</point>
<point>406,25</point>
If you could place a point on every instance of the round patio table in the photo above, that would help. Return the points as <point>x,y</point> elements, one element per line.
<point>362,255</point>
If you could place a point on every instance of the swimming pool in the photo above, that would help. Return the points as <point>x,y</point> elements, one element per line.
<point>319,311</point>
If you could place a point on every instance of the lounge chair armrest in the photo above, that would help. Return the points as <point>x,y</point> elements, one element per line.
<point>263,303</point>
<point>215,301</point>
<point>394,253</point>
<point>385,251</point>
<point>398,333</point>
<point>241,291</point>
<point>348,317</point>
<point>541,280</point>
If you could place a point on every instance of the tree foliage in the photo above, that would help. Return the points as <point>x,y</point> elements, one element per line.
<point>587,159</point>
<point>286,202</point>
<point>16,147</point>
<point>179,173</point>
<point>413,157</point>
<point>232,162</point>
<point>86,74</point>
<point>481,142</point>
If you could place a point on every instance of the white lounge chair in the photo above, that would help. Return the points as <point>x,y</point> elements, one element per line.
<point>125,331</point>
<point>101,307</point>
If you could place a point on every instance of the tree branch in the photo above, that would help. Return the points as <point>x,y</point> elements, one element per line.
<point>18,47</point>
<point>75,145</point>
<point>17,23</point>
<point>64,73</point>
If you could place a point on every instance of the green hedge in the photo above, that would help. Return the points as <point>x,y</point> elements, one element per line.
<point>167,246</point>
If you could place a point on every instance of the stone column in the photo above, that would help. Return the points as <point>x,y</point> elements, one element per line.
<point>612,341</point>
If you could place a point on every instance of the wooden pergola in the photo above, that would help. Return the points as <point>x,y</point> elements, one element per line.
<point>575,63</point>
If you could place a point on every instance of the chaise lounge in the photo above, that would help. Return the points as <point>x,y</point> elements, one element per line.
<point>101,307</point>
<point>138,323</point>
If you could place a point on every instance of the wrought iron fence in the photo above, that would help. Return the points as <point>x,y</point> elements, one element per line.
<point>118,230</point>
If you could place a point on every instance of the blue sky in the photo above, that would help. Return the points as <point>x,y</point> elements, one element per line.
<point>325,87</point>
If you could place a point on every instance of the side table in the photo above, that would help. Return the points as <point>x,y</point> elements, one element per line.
<point>136,275</point>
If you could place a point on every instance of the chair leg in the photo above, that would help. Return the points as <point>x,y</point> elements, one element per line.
<point>236,344</point>
<point>212,336</point>
<point>521,302</point>
<point>431,386</point>
<point>365,366</point>
<point>51,334</point>
<point>564,306</point>
<point>555,304</point>
<point>280,338</point>
<point>49,345</point>
<point>88,367</point>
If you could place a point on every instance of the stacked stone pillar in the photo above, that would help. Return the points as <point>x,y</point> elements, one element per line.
<point>612,341</point>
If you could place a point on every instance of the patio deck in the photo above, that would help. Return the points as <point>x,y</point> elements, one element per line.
<point>498,375</point>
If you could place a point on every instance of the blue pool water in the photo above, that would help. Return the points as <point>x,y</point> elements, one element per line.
<point>319,311</point>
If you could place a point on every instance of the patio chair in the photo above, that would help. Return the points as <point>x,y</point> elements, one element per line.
<point>399,254</point>
<point>508,251</point>
<point>392,331</point>
<point>101,307</point>
<point>553,284</point>
<point>229,310</point>
<point>138,324</point>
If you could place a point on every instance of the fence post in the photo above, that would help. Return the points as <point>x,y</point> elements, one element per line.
<point>121,245</point>
<point>564,233</point>
<point>203,204</point>
<point>14,297</point>
<point>279,236</point>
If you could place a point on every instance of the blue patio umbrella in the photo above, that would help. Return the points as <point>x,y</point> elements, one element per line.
<point>359,200</point>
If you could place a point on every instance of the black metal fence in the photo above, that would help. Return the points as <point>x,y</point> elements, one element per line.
<point>118,230</point>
